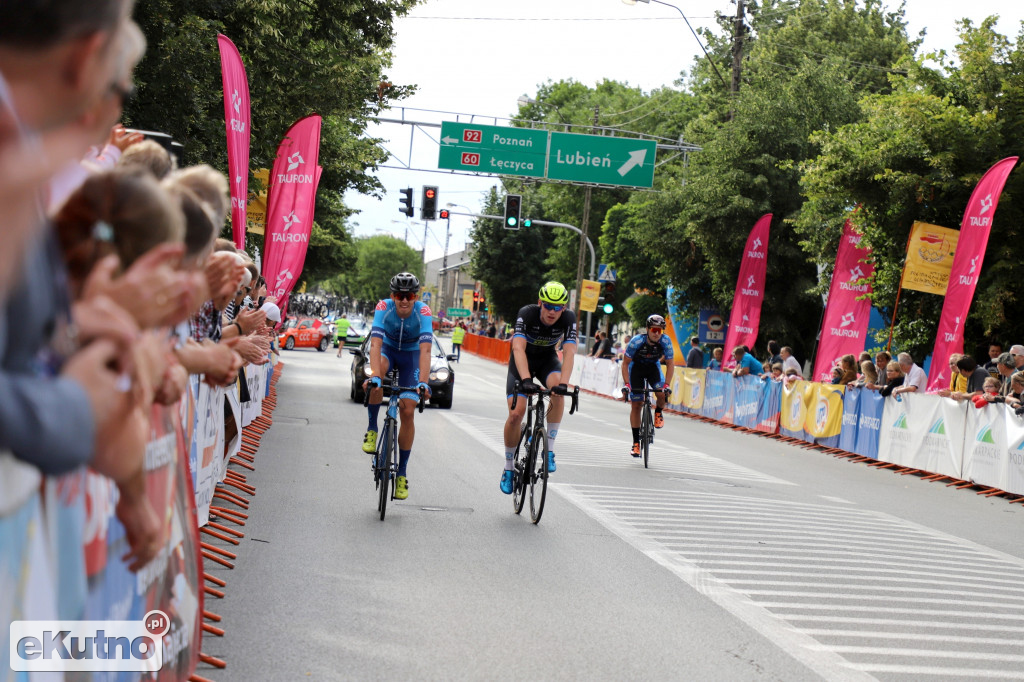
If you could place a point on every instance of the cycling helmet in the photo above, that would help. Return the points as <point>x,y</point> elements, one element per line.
<point>553,293</point>
<point>656,321</point>
<point>405,282</point>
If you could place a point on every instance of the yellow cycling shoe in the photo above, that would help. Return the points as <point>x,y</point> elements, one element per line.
<point>370,442</point>
<point>401,488</point>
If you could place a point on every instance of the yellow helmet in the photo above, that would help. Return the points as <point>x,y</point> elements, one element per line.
<point>553,293</point>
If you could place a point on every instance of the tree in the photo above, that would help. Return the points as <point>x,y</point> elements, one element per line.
<point>510,263</point>
<point>379,259</point>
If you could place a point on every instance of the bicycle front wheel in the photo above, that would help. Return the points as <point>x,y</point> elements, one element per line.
<point>390,456</point>
<point>646,433</point>
<point>538,473</point>
<point>520,468</point>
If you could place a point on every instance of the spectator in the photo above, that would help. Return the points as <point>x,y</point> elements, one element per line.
<point>836,374</point>
<point>597,344</point>
<point>745,362</point>
<point>848,370</point>
<point>716,359</point>
<point>1017,351</point>
<point>915,380</point>
<point>894,379</point>
<point>149,156</point>
<point>864,355</point>
<point>1005,367</point>
<point>788,361</point>
<point>882,360</point>
<point>695,358</point>
<point>492,330</point>
<point>1015,396</point>
<point>773,353</point>
<point>776,373</point>
<point>957,381</point>
<point>995,349</point>
<point>868,373</point>
<point>604,348</point>
<point>976,376</point>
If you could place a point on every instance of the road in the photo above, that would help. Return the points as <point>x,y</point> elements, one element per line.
<point>733,558</point>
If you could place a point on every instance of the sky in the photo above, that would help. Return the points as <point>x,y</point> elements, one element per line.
<point>475,58</point>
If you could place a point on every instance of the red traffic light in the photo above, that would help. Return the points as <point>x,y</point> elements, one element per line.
<point>430,193</point>
<point>444,214</point>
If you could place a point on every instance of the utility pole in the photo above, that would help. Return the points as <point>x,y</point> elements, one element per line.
<point>739,30</point>
<point>583,246</point>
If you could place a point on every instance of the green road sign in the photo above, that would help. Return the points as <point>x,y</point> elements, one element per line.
<point>459,312</point>
<point>600,159</point>
<point>493,149</point>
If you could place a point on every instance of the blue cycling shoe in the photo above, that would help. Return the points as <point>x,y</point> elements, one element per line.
<point>506,482</point>
<point>551,462</point>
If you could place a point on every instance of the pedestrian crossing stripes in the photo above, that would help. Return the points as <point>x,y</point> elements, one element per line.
<point>582,449</point>
<point>854,594</point>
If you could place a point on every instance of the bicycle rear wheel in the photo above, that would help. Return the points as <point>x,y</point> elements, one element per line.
<point>520,463</point>
<point>646,433</point>
<point>538,473</point>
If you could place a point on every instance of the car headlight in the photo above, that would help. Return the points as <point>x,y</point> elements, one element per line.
<point>439,375</point>
<point>367,370</point>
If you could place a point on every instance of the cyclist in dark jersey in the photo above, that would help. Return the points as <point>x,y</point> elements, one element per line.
<point>539,328</point>
<point>642,362</point>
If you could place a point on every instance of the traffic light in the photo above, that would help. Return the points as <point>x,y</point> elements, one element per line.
<point>608,296</point>
<point>443,214</point>
<point>428,208</point>
<point>406,202</point>
<point>527,222</point>
<point>513,208</point>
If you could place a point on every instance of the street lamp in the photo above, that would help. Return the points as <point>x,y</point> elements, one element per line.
<point>695,36</point>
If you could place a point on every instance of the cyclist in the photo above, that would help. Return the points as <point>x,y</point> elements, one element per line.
<point>533,360</point>
<point>401,338</point>
<point>642,361</point>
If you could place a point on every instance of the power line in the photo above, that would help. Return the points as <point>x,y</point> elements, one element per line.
<point>554,18</point>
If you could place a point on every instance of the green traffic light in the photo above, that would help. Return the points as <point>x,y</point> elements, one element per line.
<point>527,222</point>
<point>511,221</point>
<point>608,308</point>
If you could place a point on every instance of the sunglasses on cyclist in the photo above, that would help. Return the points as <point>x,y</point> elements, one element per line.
<point>553,308</point>
<point>651,330</point>
<point>404,295</point>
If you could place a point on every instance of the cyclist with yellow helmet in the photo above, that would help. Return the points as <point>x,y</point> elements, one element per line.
<point>534,361</point>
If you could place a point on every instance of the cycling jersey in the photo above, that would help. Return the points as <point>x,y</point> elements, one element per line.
<point>403,334</point>
<point>640,351</point>
<point>541,339</point>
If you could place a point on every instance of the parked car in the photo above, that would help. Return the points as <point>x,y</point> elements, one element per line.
<point>304,333</point>
<point>441,380</point>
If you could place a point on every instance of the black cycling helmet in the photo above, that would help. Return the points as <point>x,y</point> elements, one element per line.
<point>405,282</point>
<point>655,321</point>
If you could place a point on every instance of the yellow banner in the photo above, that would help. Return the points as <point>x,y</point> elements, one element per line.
<point>794,405</point>
<point>467,299</point>
<point>591,291</point>
<point>692,387</point>
<point>929,258</point>
<point>256,209</point>
<point>825,410</point>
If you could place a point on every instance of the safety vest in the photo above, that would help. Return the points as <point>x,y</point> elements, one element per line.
<point>343,325</point>
<point>458,334</point>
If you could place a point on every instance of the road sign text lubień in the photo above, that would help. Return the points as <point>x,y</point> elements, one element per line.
<point>459,312</point>
<point>493,149</point>
<point>598,159</point>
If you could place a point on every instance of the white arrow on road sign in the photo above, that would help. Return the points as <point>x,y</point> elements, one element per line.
<point>635,159</point>
<point>448,140</point>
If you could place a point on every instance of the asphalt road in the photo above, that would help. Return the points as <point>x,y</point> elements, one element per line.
<point>733,557</point>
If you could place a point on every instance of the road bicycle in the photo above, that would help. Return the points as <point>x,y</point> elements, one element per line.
<point>646,417</point>
<point>530,463</point>
<point>385,459</point>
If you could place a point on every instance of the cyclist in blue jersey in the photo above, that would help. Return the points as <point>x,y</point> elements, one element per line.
<point>533,361</point>
<point>400,338</point>
<point>642,361</point>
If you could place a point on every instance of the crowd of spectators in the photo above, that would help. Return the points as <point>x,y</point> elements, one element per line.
<point>113,283</point>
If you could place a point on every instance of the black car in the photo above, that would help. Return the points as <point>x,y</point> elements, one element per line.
<point>441,381</point>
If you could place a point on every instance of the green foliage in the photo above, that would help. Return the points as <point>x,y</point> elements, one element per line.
<point>510,263</point>
<point>642,306</point>
<point>323,56</point>
<point>379,259</point>
<point>916,155</point>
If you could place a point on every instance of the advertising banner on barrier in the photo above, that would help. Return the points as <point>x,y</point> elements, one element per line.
<point>768,410</point>
<point>747,397</point>
<point>691,390</point>
<point>718,388</point>
<point>862,421</point>
<point>1015,453</point>
<point>986,447</point>
<point>793,416</point>
<point>924,432</point>
<point>844,327</point>
<point>851,409</point>
<point>967,262</point>
<point>745,317</point>
<point>824,418</point>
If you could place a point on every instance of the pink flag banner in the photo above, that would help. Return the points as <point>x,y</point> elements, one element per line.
<point>290,205</point>
<point>967,261</point>
<point>746,303</point>
<point>237,119</point>
<point>845,326</point>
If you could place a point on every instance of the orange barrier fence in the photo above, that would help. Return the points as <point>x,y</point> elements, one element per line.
<point>486,347</point>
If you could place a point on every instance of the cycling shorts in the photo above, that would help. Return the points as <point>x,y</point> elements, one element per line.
<point>638,372</point>
<point>541,367</point>
<point>407,364</point>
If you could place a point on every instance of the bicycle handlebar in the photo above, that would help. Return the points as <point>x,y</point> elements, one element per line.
<point>393,388</point>
<point>574,394</point>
